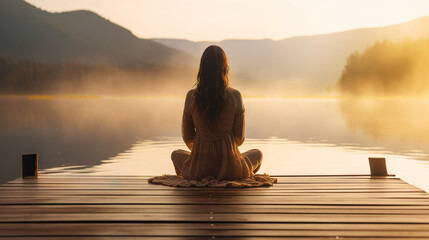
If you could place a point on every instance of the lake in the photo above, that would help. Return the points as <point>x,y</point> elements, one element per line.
<point>136,135</point>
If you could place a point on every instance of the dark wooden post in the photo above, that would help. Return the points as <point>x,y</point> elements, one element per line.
<point>378,166</point>
<point>30,165</point>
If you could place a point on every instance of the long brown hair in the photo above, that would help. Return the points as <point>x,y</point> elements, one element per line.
<point>212,83</point>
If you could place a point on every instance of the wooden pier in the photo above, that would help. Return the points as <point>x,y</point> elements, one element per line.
<point>127,207</point>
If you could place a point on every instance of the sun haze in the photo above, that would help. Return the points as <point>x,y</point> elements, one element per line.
<point>243,19</point>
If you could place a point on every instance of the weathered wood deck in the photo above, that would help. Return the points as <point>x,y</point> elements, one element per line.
<point>127,207</point>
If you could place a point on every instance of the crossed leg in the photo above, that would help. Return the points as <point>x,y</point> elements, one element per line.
<point>255,157</point>
<point>178,157</point>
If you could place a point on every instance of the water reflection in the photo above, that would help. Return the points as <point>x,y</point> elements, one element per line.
<point>72,132</point>
<point>401,125</point>
<point>135,136</point>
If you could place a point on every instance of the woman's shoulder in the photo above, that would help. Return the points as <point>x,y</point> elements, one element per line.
<point>190,99</point>
<point>191,92</point>
<point>237,100</point>
<point>234,92</point>
<point>190,95</point>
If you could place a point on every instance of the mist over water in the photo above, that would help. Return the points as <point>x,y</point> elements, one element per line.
<point>135,136</point>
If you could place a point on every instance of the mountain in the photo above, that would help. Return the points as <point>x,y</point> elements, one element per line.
<point>303,65</point>
<point>300,65</point>
<point>82,36</point>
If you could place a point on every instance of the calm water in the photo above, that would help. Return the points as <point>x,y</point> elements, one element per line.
<point>135,136</point>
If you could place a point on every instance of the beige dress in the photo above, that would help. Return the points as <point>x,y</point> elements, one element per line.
<point>214,150</point>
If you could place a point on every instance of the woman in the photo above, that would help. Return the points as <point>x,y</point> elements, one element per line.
<point>213,126</point>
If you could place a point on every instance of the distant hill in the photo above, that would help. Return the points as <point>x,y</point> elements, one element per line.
<point>300,65</point>
<point>29,33</point>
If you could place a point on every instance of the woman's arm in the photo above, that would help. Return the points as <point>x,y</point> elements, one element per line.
<point>188,127</point>
<point>239,123</point>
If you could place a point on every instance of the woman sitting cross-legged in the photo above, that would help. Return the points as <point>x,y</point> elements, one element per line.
<point>213,126</point>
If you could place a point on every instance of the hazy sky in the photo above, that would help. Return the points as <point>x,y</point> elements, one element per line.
<point>244,19</point>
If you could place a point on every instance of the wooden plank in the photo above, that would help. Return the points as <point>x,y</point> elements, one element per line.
<point>151,186</point>
<point>13,192</point>
<point>62,193</point>
<point>304,209</point>
<point>290,189</point>
<point>240,200</point>
<point>208,189</point>
<point>33,228</point>
<point>215,217</point>
<point>217,207</point>
<point>184,230</point>
<point>224,191</point>
<point>377,183</point>
<point>204,198</point>
<point>220,191</point>
<point>143,180</point>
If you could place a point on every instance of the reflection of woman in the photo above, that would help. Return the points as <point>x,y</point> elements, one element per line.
<point>213,126</point>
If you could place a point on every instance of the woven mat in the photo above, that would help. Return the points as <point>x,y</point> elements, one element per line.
<point>259,180</point>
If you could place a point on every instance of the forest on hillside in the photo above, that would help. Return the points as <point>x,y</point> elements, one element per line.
<point>37,77</point>
<point>388,69</point>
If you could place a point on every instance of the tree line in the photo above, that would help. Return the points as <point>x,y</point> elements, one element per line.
<point>36,77</point>
<point>388,69</point>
